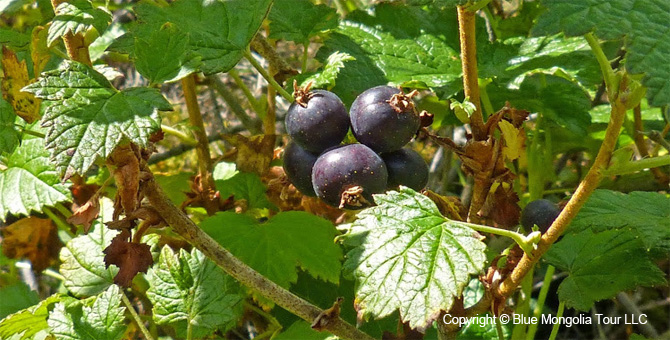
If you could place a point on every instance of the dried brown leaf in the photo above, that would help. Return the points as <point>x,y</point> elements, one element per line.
<point>131,258</point>
<point>255,153</point>
<point>33,238</point>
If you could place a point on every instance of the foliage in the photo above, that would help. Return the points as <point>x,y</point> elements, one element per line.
<point>129,143</point>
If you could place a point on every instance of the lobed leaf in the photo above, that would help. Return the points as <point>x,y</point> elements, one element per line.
<point>407,256</point>
<point>310,239</point>
<point>87,117</point>
<point>218,33</point>
<point>29,183</point>
<point>187,288</point>
<point>599,265</point>
<point>31,320</point>
<point>104,320</point>
<point>416,52</point>
<point>299,20</point>
<point>647,213</point>
<point>83,265</point>
<point>642,22</point>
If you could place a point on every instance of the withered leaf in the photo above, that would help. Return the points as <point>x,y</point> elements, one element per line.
<point>327,316</point>
<point>33,238</point>
<point>449,206</point>
<point>130,257</point>
<point>254,154</point>
<point>502,207</point>
<point>16,77</point>
<point>39,51</point>
<point>86,214</point>
<point>126,170</point>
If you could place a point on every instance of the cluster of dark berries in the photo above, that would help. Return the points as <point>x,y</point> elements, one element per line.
<point>383,119</point>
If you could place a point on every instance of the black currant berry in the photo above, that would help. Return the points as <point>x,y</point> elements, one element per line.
<point>539,212</point>
<point>298,164</point>
<point>317,120</point>
<point>348,175</point>
<point>406,167</point>
<point>384,119</point>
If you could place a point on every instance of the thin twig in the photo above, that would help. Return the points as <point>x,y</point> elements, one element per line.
<point>638,137</point>
<point>264,73</point>
<point>136,317</point>
<point>630,307</point>
<point>181,224</point>
<point>252,125</point>
<point>202,148</point>
<point>247,93</point>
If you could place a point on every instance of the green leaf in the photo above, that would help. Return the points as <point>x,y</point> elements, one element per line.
<point>326,78</point>
<point>218,31</point>
<point>83,264</point>
<point>241,185</point>
<point>311,239</point>
<point>9,136</point>
<point>189,289</point>
<point>77,16</point>
<point>87,117</point>
<point>299,20</point>
<point>555,98</point>
<point>31,320</point>
<point>407,256</point>
<point>599,265</point>
<point>415,53</point>
<point>104,320</point>
<point>642,22</point>
<point>555,55</point>
<point>175,186</point>
<point>165,56</point>
<point>647,213</point>
<point>29,183</point>
<point>13,38</point>
<point>16,296</point>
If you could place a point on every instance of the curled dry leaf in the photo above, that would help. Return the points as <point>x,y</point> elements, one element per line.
<point>449,206</point>
<point>86,214</point>
<point>125,166</point>
<point>33,238</point>
<point>15,78</point>
<point>280,190</point>
<point>254,153</point>
<point>322,320</point>
<point>130,257</point>
<point>502,206</point>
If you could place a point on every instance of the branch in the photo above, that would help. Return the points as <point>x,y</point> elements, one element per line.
<point>252,125</point>
<point>264,73</point>
<point>181,224</point>
<point>202,148</point>
<point>586,187</point>
<point>466,29</point>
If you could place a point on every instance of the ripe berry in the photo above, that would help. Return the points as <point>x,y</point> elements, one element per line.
<point>298,164</point>
<point>348,175</point>
<point>406,167</point>
<point>384,119</point>
<point>317,120</point>
<point>539,212</point>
